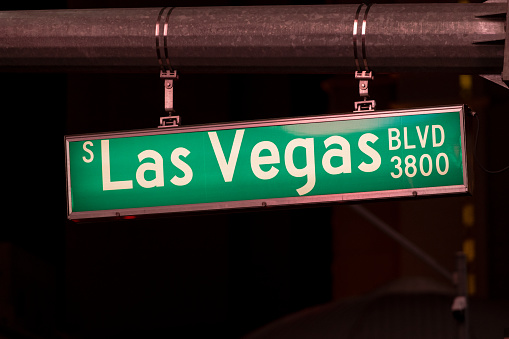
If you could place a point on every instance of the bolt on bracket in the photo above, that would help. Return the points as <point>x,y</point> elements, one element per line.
<point>170,120</point>
<point>365,105</point>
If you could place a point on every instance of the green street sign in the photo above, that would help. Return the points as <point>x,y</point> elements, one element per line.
<point>293,161</point>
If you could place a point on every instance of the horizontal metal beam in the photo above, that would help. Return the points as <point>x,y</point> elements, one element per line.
<point>460,38</point>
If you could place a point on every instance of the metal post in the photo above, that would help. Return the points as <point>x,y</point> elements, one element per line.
<point>460,304</point>
<point>446,37</point>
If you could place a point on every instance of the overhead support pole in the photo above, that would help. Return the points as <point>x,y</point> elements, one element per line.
<point>502,16</point>
<point>256,39</point>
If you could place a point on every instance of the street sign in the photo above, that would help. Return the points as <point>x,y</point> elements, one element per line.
<point>320,159</point>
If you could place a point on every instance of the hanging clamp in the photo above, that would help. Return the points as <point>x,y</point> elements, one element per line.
<point>171,120</point>
<point>365,105</point>
<point>360,58</point>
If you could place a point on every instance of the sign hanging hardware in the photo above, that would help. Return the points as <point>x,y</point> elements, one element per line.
<point>360,59</point>
<point>170,120</point>
<point>167,73</point>
<point>365,105</point>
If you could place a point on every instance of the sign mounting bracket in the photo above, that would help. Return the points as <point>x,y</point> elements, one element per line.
<point>365,105</point>
<point>170,120</point>
<point>361,59</point>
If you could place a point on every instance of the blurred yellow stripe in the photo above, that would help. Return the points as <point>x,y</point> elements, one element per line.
<point>469,249</point>
<point>468,215</point>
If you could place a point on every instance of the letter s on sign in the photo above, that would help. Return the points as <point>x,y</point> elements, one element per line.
<point>376,160</point>
<point>85,144</point>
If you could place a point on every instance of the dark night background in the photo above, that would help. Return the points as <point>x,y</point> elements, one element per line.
<point>224,274</point>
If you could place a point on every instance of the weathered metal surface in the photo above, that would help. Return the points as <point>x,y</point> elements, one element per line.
<point>267,39</point>
<point>77,39</point>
